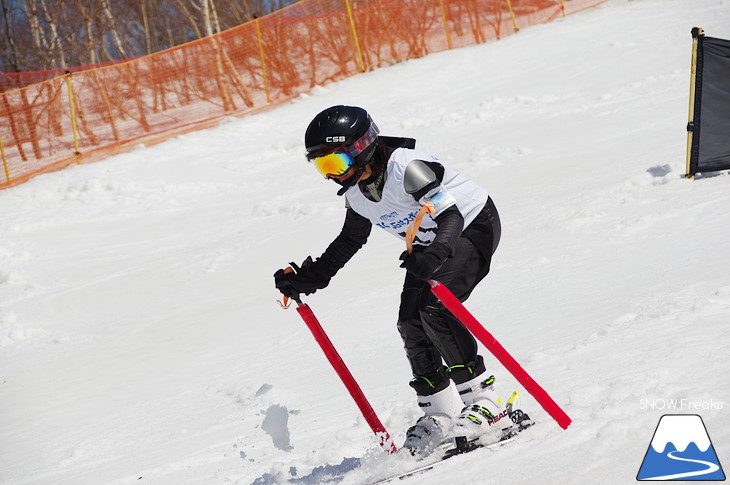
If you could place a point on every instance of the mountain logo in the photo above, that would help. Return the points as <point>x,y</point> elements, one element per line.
<point>681,450</point>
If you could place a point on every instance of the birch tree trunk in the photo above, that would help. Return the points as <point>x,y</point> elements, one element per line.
<point>215,19</point>
<point>107,10</point>
<point>89,23</point>
<point>146,25</point>
<point>56,46</point>
<point>39,39</point>
<point>207,24</point>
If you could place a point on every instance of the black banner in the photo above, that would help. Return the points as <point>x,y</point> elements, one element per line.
<point>710,125</point>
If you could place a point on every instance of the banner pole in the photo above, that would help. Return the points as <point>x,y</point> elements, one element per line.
<point>696,33</point>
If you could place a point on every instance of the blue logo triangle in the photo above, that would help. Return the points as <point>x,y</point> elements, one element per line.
<point>681,450</point>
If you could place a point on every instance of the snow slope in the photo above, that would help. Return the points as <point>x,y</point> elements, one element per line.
<point>141,342</point>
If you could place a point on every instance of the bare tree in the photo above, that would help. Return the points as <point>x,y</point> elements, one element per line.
<point>112,24</point>
<point>86,14</point>
<point>190,18</point>
<point>11,58</point>
<point>204,8</point>
<point>143,10</point>
<point>37,35</point>
<point>30,9</point>
<point>51,20</point>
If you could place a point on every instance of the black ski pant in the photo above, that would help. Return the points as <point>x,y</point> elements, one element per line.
<point>431,334</point>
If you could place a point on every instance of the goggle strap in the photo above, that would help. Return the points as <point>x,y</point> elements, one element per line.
<point>364,141</point>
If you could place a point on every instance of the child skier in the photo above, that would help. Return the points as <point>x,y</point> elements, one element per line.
<point>385,181</point>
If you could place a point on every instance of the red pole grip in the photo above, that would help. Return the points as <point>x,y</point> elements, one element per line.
<point>478,330</point>
<point>337,363</point>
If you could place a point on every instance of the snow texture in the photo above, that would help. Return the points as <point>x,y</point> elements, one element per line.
<point>141,342</point>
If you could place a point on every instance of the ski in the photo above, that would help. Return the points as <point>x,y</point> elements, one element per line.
<point>460,446</point>
<point>336,473</point>
<point>447,449</point>
<point>449,454</point>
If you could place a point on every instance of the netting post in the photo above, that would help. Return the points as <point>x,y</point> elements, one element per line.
<point>263,61</point>
<point>5,161</point>
<point>77,153</point>
<point>446,25</point>
<point>562,7</point>
<point>696,32</point>
<point>354,35</point>
<point>512,16</point>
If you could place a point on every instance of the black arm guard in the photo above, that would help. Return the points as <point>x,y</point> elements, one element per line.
<point>352,237</point>
<point>450,225</point>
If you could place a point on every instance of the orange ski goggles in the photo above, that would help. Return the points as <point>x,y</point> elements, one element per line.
<point>334,164</point>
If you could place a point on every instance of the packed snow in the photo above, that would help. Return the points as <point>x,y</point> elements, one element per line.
<point>141,341</point>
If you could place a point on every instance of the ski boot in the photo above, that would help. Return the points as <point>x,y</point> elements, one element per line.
<point>485,415</point>
<point>434,426</point>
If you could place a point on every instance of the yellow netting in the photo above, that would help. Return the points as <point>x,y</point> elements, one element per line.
<point>88,115</point>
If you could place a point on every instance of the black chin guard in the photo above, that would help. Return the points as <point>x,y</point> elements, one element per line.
<point>346,184</point>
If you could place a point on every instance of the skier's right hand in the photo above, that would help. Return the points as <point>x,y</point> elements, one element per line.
<point>305,279</point>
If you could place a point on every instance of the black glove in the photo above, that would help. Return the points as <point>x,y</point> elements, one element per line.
<point>306,279</point>
<point>423,264</point>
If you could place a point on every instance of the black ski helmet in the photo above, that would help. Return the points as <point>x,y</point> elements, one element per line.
<point>342,126</point>
<point>346,127</point>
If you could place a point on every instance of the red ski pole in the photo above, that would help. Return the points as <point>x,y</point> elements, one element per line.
<point>480,333</point>
<point>344,373</point>
<point>339,365</point>
<point>477,329</point>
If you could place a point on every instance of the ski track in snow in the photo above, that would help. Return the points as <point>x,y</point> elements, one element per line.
<point>140,340</point>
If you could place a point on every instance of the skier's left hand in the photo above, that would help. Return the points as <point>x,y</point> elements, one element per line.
<point>423,264</point>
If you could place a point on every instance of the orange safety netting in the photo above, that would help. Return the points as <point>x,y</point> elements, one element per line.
<point>16,80</point>
<point>88,115</point>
